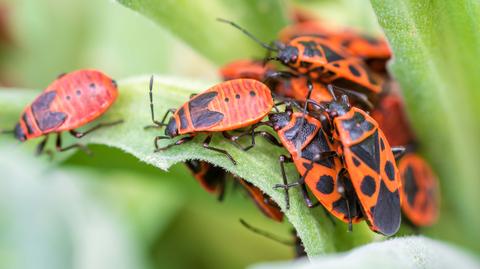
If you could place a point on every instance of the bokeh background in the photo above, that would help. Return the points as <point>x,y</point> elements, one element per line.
<point>110,210</point>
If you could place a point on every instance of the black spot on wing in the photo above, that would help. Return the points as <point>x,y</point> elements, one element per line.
<point>325,184</point>
<point>199,113</point>
<point>206,119</point>
<point>341,206</point>
<point>202,100</point>
<point>354,70</point>
<point>390,170</point>
<point>356,162</point>
<point>183,118</point>
<point>382,144</point>
<point>368,186</point>
<point>368,151</point>
<point>331,55</point>
<point>45,118</point>
<point>307,165</point>
<point>357,125</point>
<point>387,215</point>
<point>297,136</point>
<point>410,185</point>
<point>310,49</point>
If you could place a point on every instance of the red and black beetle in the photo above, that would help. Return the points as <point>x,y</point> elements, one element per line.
<point>322,60</point>
<point>71,101</point>
<point>224,107</point>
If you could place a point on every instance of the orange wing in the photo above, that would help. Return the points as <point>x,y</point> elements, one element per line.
<point>420,190</point>
<point>371,165</point>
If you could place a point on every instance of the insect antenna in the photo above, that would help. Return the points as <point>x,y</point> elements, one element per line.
<point>6,131</point>
<point>254,38</point>
<point>267,234</point>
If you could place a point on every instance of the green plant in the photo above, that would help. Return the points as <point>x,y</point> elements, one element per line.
<point>427,77</point>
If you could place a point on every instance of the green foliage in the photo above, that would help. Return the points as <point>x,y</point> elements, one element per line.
<point>437,47</point>
<point>216,41</point>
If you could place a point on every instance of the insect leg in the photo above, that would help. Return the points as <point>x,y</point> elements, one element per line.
<point>267,136</point>
<point>178,142</point>
<point>60,148</point>
<point>266,234</point>
<point>343,192</point>
<point>206,144</point>
<point>96,127</point>
<point>41,148</point>
<point>6,131</point>
<point>152,113</point>
<point>286,186</point>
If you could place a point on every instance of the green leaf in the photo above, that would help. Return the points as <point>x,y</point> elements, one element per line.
<point>259,165</point>
<point>195,23</point>
<point>437,46</point>
<point>402,253</point>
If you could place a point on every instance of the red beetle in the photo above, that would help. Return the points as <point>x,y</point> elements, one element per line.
<point>374,50</point>
<point>71,101</point>
<point>224,107</point>
<point>370,162</point>
<point>322,60</point>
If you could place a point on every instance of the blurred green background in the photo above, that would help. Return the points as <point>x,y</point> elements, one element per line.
<point>110,210</point>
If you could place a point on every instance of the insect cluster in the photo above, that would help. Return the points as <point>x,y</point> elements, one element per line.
<point>342,124</point>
